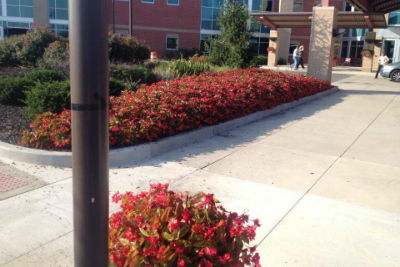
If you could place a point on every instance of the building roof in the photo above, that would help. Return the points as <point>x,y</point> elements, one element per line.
<point>345,20</point>
<point>381,6</point>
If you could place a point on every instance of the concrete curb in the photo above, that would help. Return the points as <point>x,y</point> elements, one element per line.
<point>142,152</point>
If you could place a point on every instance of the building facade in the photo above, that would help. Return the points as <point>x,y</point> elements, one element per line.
<point>168,25</point>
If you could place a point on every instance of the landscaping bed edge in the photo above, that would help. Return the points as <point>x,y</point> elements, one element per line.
<point>132,154</point>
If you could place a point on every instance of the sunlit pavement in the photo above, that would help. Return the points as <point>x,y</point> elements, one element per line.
<point>323,178</point>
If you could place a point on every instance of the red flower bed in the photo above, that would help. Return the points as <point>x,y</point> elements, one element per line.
<point>164,228</point>
<point>169,107</point>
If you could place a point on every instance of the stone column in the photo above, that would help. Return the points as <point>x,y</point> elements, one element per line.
<point>41,12</point>
<point>284,33</point>
<point>321,43</point>
<point>273,46</point>
<point>369,44</point>
<point>377,52</point>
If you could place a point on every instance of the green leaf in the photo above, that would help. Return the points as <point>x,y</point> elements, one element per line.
<point>144,232</point>
<point>124,241</point>
<point>167,236</point>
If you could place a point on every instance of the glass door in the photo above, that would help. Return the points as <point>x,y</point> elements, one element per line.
<point>388,49</point>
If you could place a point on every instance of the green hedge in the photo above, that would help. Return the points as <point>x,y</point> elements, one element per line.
<point>133,74</point>
<point>48,96</point>
<point>12,90</point>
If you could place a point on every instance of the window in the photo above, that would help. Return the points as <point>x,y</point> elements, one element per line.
<point>345,48</point>
<point>259,45</point>
<point>258,5</point>
<point>298,6</point>
<point>347,7</point>
<point>256,26</point>
<point>317,3</point>
<point>19,8</point>
<point>59,29</point>
<point>394,18</point>
<point>356,48</point>
<point>173,2</point>
<point>15,28</point>
<point>58,9</point>
<point>172,43</point>
<point>148,1</point>
<point>209,13</point>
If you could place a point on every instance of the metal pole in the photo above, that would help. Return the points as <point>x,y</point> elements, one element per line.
<point>89,106</point>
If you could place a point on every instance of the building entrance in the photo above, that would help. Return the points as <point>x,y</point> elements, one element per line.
<point>388,49</point>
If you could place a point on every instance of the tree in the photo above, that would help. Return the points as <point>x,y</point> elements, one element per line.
<point>231,46</point>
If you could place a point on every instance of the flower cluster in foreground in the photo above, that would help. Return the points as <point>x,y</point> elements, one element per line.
<point>164,228</point>
<point>169,107</point>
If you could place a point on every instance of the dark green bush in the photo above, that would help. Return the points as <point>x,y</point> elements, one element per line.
<point>12,90</point>
<point>133,74</point>
<point>50,96</point>
<point>25,49</point>
<point>116,87</point>
<point>258,61</point>
<point>127,49</point>
<point>42,76</point>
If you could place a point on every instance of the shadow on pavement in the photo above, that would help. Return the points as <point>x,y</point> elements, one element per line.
<point>247,133</point>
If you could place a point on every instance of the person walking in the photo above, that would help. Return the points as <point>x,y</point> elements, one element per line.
<point>300,61</point>
<point>296,58</point>
<point>382,60</point>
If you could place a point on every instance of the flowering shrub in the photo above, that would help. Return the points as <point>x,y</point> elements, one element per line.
<point>164,228</point>
<point>367,53</point>
<point>26,49</point>
<point>126,49</point>
<point>56,57</point>
<point>169,107</point>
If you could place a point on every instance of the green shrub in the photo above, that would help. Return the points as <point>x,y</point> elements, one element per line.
<point>50,96</point>
<point>12,90</point>
<point>8,52</point>
<point>26,49</point>
<point>127,49</point>
<point>152,64</point>
<point>258,61</point>
<point>56,57</point>
<point>133,74</point>
<point>162,71</point>
<point>116,87</point>
<point>42,76</point>
<point>184,67</point>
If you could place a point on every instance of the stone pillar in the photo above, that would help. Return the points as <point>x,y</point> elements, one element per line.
<point>284,33</point>
<point>273,48</point>
<point>377,52</point>
<point>369,44</point>
<point>41,12</point>
<point>321,43</point>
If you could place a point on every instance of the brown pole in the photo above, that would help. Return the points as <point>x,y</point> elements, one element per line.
<point>89,106</point>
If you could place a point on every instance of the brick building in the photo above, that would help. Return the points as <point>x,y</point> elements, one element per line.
<point>172,24</point>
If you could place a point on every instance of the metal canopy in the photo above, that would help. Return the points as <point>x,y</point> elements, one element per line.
<point>381,6</point>
<point>345,20</point>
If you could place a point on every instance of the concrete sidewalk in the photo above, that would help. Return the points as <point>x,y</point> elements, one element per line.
<point>323,178</point>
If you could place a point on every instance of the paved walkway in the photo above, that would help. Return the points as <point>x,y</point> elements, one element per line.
<point>323,178</point>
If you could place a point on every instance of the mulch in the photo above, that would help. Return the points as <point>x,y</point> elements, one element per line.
<point>12,123</point>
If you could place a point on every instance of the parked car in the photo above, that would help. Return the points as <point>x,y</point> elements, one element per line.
<point>391,71</point>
